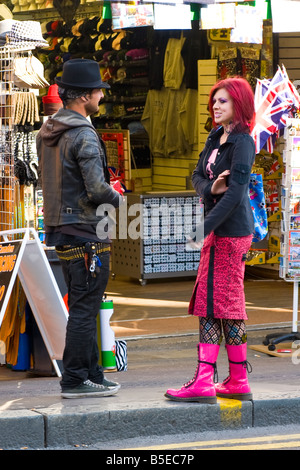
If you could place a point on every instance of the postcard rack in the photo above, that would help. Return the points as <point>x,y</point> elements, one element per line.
<point>289,268</point>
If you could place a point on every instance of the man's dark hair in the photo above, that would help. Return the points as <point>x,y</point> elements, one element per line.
<point>69,94</point>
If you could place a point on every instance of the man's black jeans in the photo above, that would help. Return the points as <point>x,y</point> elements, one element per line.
<point>81,354</point>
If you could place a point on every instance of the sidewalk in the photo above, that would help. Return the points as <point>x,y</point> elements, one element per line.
<point>34,416</point>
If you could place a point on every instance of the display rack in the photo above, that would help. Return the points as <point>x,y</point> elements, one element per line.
<point>158,247</point>
<point>7,185</point>
<point>289,269</point>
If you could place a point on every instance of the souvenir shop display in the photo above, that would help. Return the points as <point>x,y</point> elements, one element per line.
<point>153,120</point>
<point>289,269</point>
<point>158,247</point>
<point>290,204</point>
<point>20,74</point>
<point>275,100</point>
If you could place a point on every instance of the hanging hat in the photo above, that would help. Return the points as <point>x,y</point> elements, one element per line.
<point>52,102</point>
<point>52,96</point>
<point>5,12</point>
<point>22,33</point>
<point>81,73</point>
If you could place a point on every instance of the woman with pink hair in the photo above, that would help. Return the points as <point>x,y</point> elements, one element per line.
<point>221,178</point>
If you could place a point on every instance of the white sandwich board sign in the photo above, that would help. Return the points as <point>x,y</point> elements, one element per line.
<point>26,258</point>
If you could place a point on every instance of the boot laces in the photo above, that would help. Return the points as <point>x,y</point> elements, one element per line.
<point>246,365</point>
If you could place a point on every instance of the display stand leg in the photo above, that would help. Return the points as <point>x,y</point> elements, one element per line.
<point>276,338</point>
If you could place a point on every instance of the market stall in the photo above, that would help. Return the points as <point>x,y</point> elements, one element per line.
<point>154,118</point>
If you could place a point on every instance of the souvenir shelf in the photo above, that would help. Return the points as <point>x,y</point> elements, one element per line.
<point>267,252</point>
<point>290,204</point>
<point>289,268</point>
<point>159,249</point>
<point>126,99</point>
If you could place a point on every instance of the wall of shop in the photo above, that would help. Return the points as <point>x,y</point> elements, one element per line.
<point>289,53</point>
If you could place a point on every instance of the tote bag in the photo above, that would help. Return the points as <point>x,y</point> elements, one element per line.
<point>258,204</point>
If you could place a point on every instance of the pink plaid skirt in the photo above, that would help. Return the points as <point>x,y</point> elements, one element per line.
<point>219,287</point>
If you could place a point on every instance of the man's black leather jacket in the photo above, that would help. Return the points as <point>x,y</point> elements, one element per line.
<point>73,170</point>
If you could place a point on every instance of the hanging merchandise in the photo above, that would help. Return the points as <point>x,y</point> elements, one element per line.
<point>250,64</point>
<point>13,323</point>
<point>174,63</point>
<point>51,102</point>
<point>29,72</point>
<point>249,25</point>
<point>228,62</point>
<point>244,61</point>
<point>26,110</point>
<point>219,16</point>
<point>25,156</point>
<point>285,16</point>
<point>172,16</point>
<point>275,101</point>
<point>66,9</point>
<point>258,204</point>
<point>21,34</point>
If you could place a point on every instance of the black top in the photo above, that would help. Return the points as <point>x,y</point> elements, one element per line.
<point>228,214</point>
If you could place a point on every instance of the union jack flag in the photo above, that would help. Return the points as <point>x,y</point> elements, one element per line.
<point>115,174</point>
<point>274,101</point>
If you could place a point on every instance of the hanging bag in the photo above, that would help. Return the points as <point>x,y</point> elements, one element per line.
<point>258,204</point>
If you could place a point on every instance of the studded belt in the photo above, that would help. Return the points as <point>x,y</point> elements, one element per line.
<point>68,252</point>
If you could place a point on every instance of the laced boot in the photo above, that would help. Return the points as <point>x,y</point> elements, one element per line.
<point>236,385</point>
<point>201,388</point>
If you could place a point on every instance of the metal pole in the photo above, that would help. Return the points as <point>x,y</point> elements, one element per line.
<point>295,307</point>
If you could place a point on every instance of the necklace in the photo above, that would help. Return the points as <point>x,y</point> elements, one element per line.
<point>228,129</point>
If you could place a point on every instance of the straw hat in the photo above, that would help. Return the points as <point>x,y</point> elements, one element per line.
<point>5,12</point>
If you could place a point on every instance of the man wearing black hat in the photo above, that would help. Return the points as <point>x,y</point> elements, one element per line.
<point>75,182</point>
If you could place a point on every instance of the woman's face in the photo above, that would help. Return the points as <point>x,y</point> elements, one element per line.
<point>223,107</point>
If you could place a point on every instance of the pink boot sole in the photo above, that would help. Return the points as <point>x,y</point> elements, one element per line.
<point>210,400</point>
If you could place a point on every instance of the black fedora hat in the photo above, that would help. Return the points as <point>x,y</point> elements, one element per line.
<point>81,73</point>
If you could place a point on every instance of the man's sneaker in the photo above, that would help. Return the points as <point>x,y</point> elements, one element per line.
<point>111,385</point>
<point>88,389</point>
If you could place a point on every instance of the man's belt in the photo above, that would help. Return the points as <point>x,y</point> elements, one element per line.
<point>67,252</point>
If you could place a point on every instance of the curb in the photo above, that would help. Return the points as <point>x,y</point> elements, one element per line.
<point>42,429</point>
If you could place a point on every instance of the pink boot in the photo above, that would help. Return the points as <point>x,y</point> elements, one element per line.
<point>236,385</point>
<point>201,388</point>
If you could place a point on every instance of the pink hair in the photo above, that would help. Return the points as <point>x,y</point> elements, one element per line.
<point>243,102</point>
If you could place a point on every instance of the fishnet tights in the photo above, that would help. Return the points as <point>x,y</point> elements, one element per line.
<point>210,331</point>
